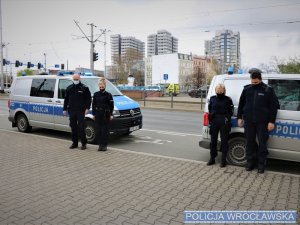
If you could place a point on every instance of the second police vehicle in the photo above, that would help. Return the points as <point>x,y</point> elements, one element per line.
<point>37,101</point>
<point>284,140</point>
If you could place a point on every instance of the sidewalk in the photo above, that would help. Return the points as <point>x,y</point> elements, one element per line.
<point>44,182</point>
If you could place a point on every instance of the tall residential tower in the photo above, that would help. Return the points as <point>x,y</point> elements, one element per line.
<point>225,47</point>
<point>126,46</point>
<point>161,43</point>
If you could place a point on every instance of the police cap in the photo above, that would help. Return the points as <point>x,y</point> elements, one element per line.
<point>255,70</point>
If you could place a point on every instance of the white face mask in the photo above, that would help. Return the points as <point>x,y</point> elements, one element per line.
<point>76,82</point>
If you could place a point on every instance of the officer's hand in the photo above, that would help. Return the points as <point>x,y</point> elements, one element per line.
<point>271,126</point>
<point>65,113</point>
<point>86,111</point>
<point>240,123</point>
<point>111,117</point>
<point>93,117</point>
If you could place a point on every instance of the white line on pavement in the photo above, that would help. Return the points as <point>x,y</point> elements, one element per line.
<point>171,133</point>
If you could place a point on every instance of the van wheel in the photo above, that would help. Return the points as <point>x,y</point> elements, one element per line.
<point>22,124</point>
<point>90,132</point>
<point>237,151</point>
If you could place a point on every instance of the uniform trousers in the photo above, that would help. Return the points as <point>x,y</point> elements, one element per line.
<point>260,131</point>
<point>77,124</point>
<point>219,124</point>
<point>102,128</point>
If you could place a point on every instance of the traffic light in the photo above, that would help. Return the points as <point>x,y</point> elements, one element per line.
<point>62,66</point>
<point>4,62</point>
<point>17,64</point>
<point>28,65</point>
<point>95,56</point>
<point>39,65</point>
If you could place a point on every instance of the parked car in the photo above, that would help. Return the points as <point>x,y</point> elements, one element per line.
<point>199,92</point>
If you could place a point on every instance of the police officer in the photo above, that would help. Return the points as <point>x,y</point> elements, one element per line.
<point>103,106</point>
<point>77,103</point>
<point>257,112</point>
<point>220,109</point>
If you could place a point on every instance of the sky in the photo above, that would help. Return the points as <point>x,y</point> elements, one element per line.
<point>30,28</point>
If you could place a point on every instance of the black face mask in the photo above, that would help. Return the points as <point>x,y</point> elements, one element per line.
<point>220,95</point>
<point>102,90</point>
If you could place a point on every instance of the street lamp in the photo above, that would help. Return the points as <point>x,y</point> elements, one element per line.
<point>45,62</point>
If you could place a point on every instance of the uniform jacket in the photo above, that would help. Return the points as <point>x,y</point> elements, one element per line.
<point>258,103</point>
<point>220,105</point>
<point>78,98</point>
<point>103,101</point>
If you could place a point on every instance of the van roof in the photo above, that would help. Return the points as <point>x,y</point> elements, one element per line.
<point>247,76</point>
<point>52,76</point>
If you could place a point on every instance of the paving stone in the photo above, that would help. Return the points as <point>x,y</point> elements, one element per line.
<point>49,184</point>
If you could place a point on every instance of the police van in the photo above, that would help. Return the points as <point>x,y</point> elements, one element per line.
<point>284,140</point>
<point>37,101</point>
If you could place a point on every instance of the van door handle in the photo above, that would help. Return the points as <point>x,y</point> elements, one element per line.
<point>58,101</point>
<point>49,100</point>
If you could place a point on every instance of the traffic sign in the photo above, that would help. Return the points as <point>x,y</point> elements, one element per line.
<point>165,76</point>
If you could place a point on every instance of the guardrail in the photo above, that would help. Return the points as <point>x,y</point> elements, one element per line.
<point>152,99</point>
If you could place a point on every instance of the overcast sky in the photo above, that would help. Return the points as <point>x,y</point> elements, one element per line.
<point>33,27</point>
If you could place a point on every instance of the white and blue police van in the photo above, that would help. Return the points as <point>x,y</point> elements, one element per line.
<point>37,101</point>
<point>284,140</point>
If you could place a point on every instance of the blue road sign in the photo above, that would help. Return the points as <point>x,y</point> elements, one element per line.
<point>56,66</point>
<point>165,76</point>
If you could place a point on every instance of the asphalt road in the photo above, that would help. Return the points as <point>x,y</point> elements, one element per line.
<point>165,132</point>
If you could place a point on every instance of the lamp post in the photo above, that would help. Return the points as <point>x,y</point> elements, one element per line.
<point>206,73</point>
<point>1,53</point>
<point>45,62</point>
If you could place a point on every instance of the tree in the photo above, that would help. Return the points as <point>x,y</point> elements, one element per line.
<point>292,66</point>
<point>123,66</point>
<point>26,71</point>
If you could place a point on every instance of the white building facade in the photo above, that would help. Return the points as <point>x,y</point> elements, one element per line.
<point>176,67</point>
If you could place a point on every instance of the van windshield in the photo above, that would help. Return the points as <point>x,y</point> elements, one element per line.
<point>92,84</point>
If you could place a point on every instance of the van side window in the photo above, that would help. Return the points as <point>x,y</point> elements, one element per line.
<point>288,93</point>
<point>62,86</point>
<point>42,88</point>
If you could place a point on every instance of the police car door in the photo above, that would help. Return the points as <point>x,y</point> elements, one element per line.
<point>61,121</point>
<point>41,102</point>
<point>286,135</point>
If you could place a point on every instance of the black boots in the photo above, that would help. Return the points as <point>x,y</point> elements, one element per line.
<point>102,148</point>
<point>211,161</point>
<point>223,163</point>
<point>73,146</point>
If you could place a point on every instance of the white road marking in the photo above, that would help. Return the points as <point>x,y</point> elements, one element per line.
<point>148,139</point>
<point>171,133</point>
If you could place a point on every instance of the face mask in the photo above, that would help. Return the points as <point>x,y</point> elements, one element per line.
<point>76,82</point>
<point>221,95</point>
<point>102,89</point>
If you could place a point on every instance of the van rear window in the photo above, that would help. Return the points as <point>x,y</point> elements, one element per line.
<point>288,93</point>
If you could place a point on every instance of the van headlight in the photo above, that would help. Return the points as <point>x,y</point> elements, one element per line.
<point>116,113</point>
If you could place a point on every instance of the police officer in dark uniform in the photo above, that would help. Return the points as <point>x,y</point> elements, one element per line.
<point>77,103</point>
<point>220,109</point>
<point>257,112</point>
<point>103,106</point>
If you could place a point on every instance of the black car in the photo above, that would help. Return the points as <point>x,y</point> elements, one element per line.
<point>199,92</point>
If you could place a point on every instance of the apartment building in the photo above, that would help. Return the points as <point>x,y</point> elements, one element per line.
<point>122,47</point>
<point>225,48</point>
<point>161,43</point>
